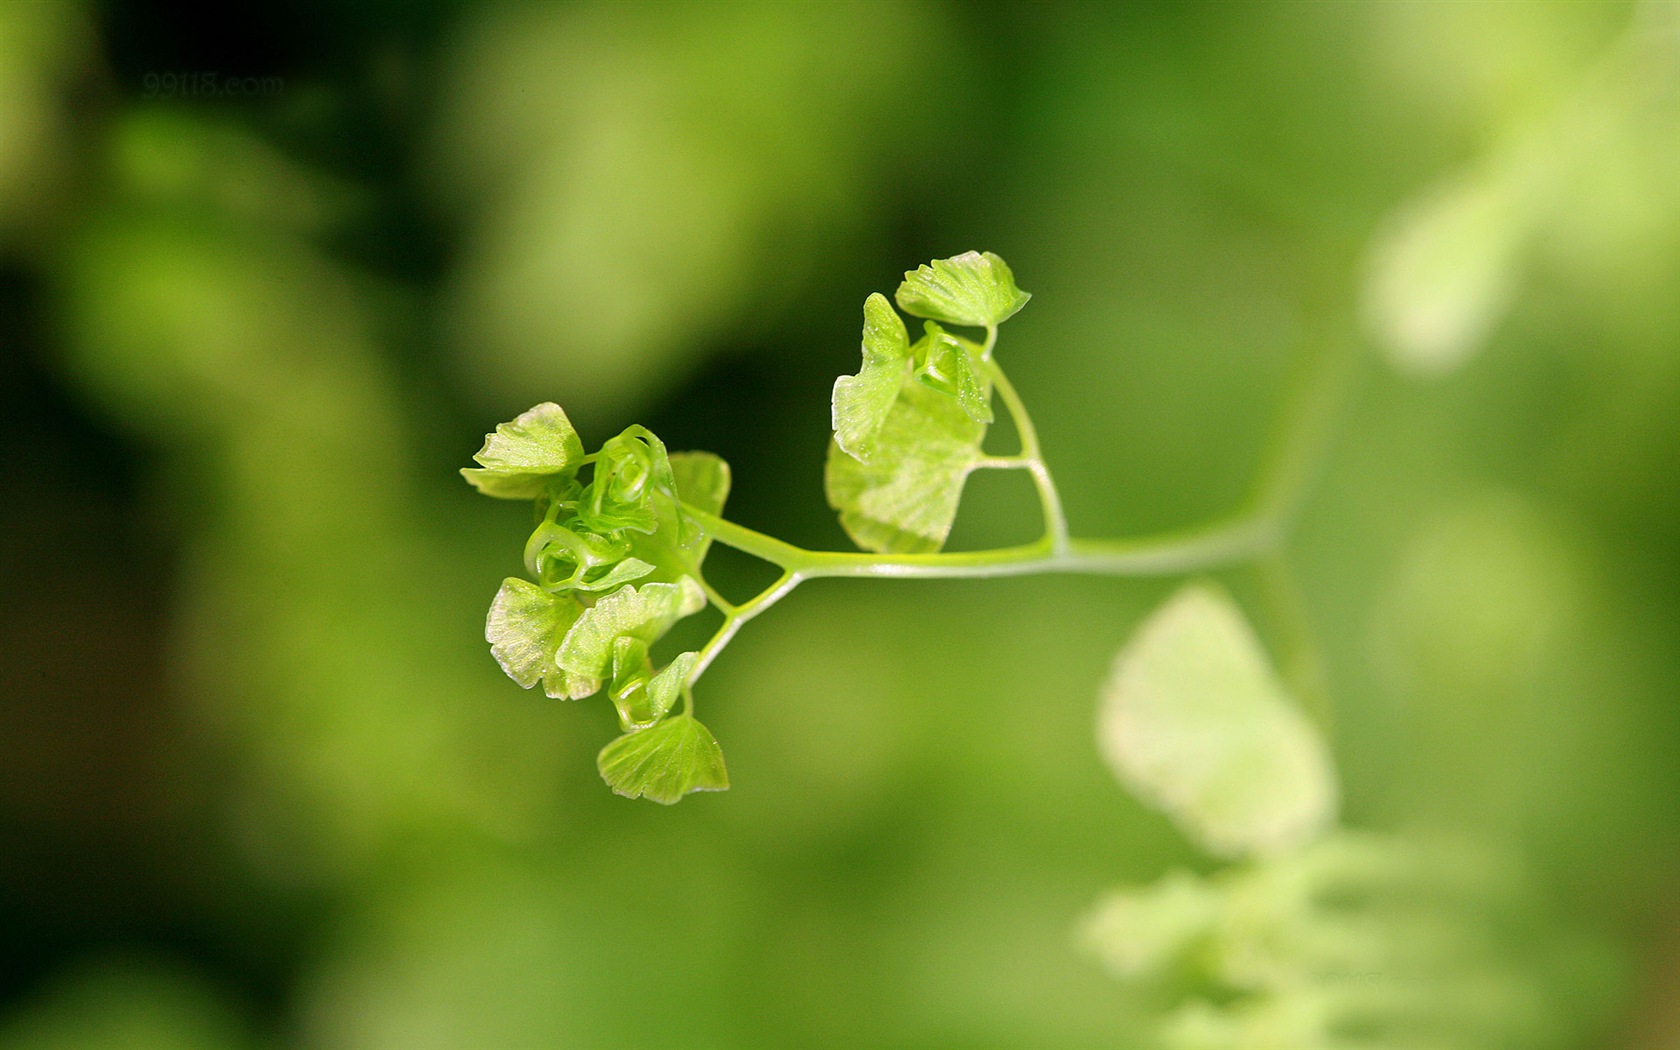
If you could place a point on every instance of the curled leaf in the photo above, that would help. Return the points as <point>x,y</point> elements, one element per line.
<point>631,471</point>
<point>949,366</point>
<point>642,697</point>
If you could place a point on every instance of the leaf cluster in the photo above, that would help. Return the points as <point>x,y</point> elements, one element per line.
<point>613,563</point>
<point>615,557</point>
<point>908,427</point>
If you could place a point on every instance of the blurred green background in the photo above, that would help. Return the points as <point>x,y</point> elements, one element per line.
<point>267,276</point>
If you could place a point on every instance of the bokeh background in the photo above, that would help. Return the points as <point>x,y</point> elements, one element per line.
<point>268,275</point>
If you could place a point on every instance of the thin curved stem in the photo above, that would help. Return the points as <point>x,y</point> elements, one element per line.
<point>724,605</point>
<point>1032,458</point>
<point>1189,550</point>
<point>734,617</point>
<point>1256,530</point>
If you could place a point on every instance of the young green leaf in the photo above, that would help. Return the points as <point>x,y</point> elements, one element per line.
<point>1196,722</point>
<point>664,763</point>
<point>586,652</point>
<point>904,499</point>
<point>702,480</point>
<point>971,289</point>
<point>861,402</point>
<point>664,687</point>
<point>703,483</point>
<point>949,366</point>
<point>641,696</point>
<point>520,458</point>
<point>525,628</point>
<point>626,571</point>
<point>631,669</point>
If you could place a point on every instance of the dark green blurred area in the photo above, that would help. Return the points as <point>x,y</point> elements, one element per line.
<point>261,783</point>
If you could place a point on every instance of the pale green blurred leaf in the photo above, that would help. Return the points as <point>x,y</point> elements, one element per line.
<point>525,628</point>
<point>1194,719</point>
<point>905,498</point>
<point>1408,942</point>
<point>519,458</point>
<point>972,289</point>
<point>1135,932</point>
<point>645,613</point>
<point>662,764</point>
<point>862,401</point>
<point>1444,270</point>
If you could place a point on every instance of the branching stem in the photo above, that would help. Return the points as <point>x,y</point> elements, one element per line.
<point>1255,530</point>
<point>1032,457</point>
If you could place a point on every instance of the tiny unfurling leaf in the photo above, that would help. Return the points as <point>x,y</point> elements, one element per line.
<point>632,471</point>
<point>969,289</point>
<point>523,455</point>
<point>664,763</point>
<point>951,366</point>
<point>702,480</point>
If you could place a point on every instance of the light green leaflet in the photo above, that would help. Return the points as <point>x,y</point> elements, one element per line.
<point>525,627</point>
<point>861,402</point>
<point>646,613</point>
<point>971,289</point>
<point>524,453</point>
<point>643,698</point>
<point>664,763</point>
<point>904,499</point>
<point>626,571</point>
<point>1194,720</point>
<point>950,367</point>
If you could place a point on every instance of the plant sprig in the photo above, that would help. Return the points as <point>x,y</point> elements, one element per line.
<point>617,558</point>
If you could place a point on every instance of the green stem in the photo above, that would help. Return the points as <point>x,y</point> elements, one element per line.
<point>1189,550</point>
<point>734,617</point>
<point>724,605</point>
<point>1032,457</point>
<point>1256,530</point>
